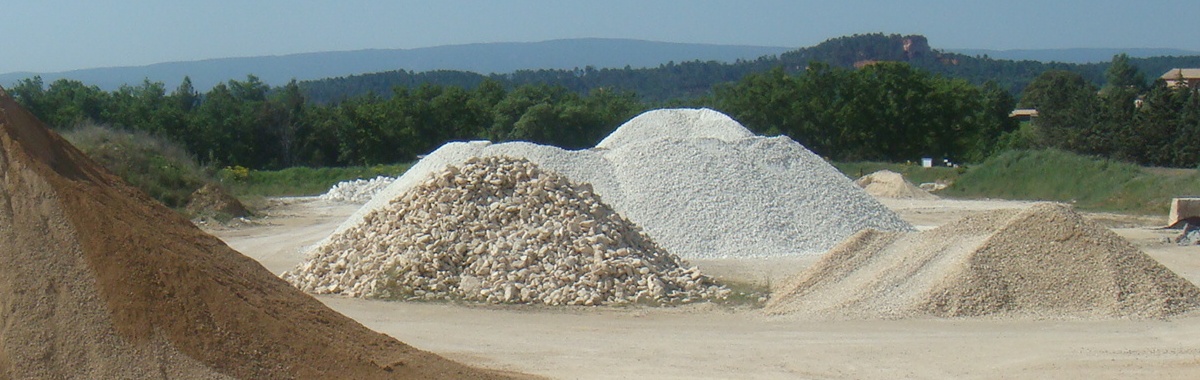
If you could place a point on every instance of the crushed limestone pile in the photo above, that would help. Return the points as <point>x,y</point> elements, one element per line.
<point>357,191</point>
<point>889,184</point>
<point>102,282</point>
<point>1043,262</point>
<point>501,230</point>
<point>698,183</point>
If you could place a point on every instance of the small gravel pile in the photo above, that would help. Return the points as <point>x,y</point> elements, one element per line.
<point>357,191</point>
<point>501,230</point>
<point>1042,262</point>
<point>889,184</point>
<point>699,183</point>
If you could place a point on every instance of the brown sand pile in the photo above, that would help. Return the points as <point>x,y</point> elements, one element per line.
<point>100,281</point>
<point>1043,262</point>
<point>501,230</point>
<point>889,184</point>
<point>211,200</point>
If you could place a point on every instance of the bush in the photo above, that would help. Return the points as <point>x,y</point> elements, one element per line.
<point>158,167</point>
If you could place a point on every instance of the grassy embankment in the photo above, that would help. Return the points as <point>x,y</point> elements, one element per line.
<point>162,169</point>
<point>166,172</point>
<point>1089,183</point>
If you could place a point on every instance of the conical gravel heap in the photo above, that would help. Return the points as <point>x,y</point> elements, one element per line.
<point>1043,262</point>
<point>501,230</point>
<point>101,282</point>
<point>889,184</point>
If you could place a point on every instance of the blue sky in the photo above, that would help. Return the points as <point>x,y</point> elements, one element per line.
<point>54,35</point>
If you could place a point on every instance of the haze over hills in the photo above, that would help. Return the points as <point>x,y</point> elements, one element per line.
<point>1077,55</point>
<point>484,58</point>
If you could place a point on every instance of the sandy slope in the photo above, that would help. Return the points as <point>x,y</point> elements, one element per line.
<point>712,342</point>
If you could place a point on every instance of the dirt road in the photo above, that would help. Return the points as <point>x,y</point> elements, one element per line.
<point>718,342</point>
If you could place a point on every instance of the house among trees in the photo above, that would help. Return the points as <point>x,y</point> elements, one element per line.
<point>1182,77</point>
<point>1023,114</point>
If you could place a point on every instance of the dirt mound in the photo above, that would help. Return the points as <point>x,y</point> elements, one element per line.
<point>501,230</point>
<point>211,200</point>
<point>100,281</point>
<point>1044,262</point>
<point>889,184</point>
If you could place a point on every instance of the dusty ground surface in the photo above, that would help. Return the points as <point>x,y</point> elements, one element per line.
<point>710,341</point>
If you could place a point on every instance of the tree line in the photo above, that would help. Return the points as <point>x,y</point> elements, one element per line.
<point>888,111</point>
<point>247,123</point>
<point>1125,119</point>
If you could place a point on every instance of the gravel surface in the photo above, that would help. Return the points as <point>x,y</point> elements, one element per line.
<point>699,183</point>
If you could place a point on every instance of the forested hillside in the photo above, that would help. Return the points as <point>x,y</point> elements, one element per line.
<point>673,81</point>
<point>486,58</point>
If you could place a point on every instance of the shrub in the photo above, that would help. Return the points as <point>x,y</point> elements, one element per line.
<point>162,169</point>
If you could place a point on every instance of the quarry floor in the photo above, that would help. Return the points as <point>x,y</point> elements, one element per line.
<point>708,341</point>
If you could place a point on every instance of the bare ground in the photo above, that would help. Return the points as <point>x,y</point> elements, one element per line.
<point>712,341</point>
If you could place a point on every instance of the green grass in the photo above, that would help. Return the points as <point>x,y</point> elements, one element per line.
<point>1090,183</point>
<point>299,180</point>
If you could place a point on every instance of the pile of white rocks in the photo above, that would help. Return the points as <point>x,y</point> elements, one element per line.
<point>500,230</point>
<point>699,183</point>
<point>357,191</point>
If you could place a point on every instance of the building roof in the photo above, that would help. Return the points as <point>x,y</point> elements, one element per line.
<point>1023,112</point>
<point>1174,74</point>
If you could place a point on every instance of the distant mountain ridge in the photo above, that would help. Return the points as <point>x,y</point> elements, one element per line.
<point>484,58</point>
<point>690,79</point>
<point>1075,55</point>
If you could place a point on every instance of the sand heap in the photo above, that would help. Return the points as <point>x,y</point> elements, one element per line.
<point>100,281</point>
<point>698,182</point>
<point>501,230</point>
<point>211,200</point>
<point>357,191</point>
<point>1043,262</point>
<point>889,184</point>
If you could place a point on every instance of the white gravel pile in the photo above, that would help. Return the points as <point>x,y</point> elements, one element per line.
<point>501,230</point>
<point>679,124</point>
<point>699,183</point>
<point>357,191</point>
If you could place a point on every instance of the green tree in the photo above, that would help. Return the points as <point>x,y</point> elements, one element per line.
<point>1123,74</point>
<point>1067,107</point>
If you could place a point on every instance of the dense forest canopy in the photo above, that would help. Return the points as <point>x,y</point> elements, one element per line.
<point>872,97</point>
